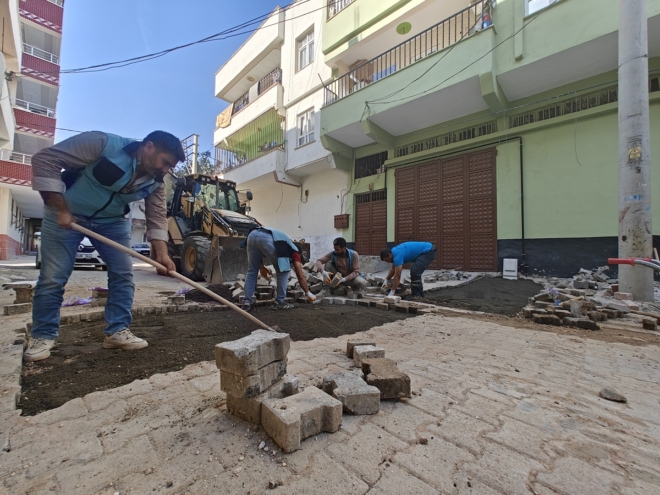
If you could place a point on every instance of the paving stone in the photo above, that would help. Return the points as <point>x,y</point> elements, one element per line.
<point>650,324</point>
<point>402,421</point>
<point>75,408</point>
<point>351,344</point>
<point>396,481</point>
<point>384,374</point>
<point>392,300</point>
<point>356,396</point>
<point>364,453</point>
<point>434,463</point>
<point>252,385</point>
<point>325,477</point>
<point>571,475</point>
<point>547,320</point>
<point>17,309</point>
<point>362,352</point>
<point>523,438</point>
<point>384,306</point>
<point>289,421</point>
<point>364,302</point>
<point>462,430</point>
<point>247,355</point>
<point>250,409</point>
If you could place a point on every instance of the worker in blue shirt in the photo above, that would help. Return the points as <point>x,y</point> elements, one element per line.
<point>420,254</point>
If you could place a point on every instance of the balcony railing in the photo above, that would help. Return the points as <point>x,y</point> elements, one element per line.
<point>444,34</point>
<point>42,54</point>
<point>59,3</point>
<point>35,108</point>
<point>336,6</point>
<point>271,79</point>
<point>259,137</point>
<point>12,156</point>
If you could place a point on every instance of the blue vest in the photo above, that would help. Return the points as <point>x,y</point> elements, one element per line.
<point>349,253</point>
<point>95,193</point>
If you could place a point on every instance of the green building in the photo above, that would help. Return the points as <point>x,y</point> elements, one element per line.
<point>487,128</point>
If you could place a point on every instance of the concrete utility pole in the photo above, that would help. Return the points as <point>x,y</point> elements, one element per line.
<point>635,228</point>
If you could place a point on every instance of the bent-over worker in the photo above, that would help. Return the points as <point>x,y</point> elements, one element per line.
<point>275,248</point>
<point>344,261</point>
<point>420,254</point>
<point>103,173</point>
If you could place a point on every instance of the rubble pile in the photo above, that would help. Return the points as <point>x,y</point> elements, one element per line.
<point>587,299</point>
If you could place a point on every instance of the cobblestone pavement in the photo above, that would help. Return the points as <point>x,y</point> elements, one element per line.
<point>495,410</point>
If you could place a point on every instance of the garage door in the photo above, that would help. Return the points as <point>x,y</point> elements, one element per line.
<point>452,204</point>
<point>371,222</point>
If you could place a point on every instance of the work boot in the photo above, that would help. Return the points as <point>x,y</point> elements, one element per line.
<point>282,305</point>
<point>124,339</point>
<point>38,349</point>
<point>247,307</point>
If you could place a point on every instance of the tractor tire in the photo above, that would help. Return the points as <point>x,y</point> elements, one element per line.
<point>194,252</point>
<point>174,255</point>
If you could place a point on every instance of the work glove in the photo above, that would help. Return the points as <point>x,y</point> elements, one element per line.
<point>327,277</point>
<point>310,297</point>
<point>383,288</point>
<point>391,294</point>
<point>343,280</point>
<point>264,272</point>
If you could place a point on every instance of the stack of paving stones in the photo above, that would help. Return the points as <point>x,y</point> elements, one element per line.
<point>378,371</point>
<point>589,298</point>
<point>253,375</point>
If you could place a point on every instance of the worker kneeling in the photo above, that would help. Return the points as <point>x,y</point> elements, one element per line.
<point>103,173</point>
<point>344,261</point>
<point>420,254</point>
<point>275,248</point>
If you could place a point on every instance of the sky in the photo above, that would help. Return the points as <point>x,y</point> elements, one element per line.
<point>174,93</point>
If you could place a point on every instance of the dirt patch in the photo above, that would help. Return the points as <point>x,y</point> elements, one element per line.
<point>197,296</point>
<point>79,366</point>
<point>490,295</point>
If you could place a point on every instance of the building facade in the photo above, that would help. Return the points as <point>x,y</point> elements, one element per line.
<point>31,58</point>
<point>488,128</point>
<point>268,139</point>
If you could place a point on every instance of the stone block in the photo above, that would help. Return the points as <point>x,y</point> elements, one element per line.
<point>401,308</point>
<point>596,316</point>
<point>618,307</point>
<point>23,295</point>
<point>385,376</point>
<point>339,301</point>
<point>587,325</point>
<point>351,302</point>
<point>364,302</point>
<point>251,385</point>
<point>237,293</point>
<point>335,280</point>
<point>570,322</point>
<point>543,304</point>
<point>623,296</point>
<point>392,300</point>
<point>250,409</point>
<point>362,352</point>
<point>610,313</point>
<point>248,355</point>
<point>562,313</point>
<point>289,421</point>
<point>353,392</point>
<point>384,306</point>
<point>581,284</point>
<point>17,309</point>
<point>176,299</point>
<point>650,324</point>
<point>527,312</point>
<point>547,320</point>
<point>353,343</point>
<point>327,300</point>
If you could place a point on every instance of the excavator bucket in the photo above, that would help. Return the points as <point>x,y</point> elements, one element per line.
<point>225,261</point>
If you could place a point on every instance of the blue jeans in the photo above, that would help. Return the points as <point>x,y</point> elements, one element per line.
<point>58,254</point>
<point>261,249</point>
<point>417,269</point>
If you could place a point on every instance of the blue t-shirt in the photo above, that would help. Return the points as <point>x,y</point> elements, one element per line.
<point>407,252</point>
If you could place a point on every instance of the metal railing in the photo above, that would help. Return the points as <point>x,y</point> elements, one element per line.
<point>268,81</point>
<point>448,32</point>
<point>59,3</point>
<point>261,136</point>
<point>35,108</point>
<point>42,54</point>
<point>336,6</point>
<point>12,156</point>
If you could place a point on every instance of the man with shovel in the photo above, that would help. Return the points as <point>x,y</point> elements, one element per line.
<point>102,174</point>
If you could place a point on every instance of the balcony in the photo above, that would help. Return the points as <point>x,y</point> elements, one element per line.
<point>33,123</point>
<point>42,54</point>
<point>15,168</point>
<point>15,157</point>
<point>270,80</point>
<point>35,108</point>
<point>254,60</point>
<point>336,6</point>
<point>243,155</point>
<point>446,33</point>
<point>46,13</point>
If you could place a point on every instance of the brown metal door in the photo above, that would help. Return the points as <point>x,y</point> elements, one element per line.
<point>452,204</point>
<point>371,222</point>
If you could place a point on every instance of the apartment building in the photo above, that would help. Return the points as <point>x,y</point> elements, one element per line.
<point>268,138</point>
<point>31,57</point>
<point>488,128</point>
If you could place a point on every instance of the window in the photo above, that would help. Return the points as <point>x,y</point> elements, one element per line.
<point>370,165</point>
<point>306,50</point>
<point>534,6</point>
<point>306,127</point>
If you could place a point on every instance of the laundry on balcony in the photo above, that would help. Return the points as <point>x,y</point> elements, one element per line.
<point>223,120</point>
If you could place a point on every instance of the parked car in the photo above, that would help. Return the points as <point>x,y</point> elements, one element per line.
<point>87,255</point>
<point>144,249</point>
